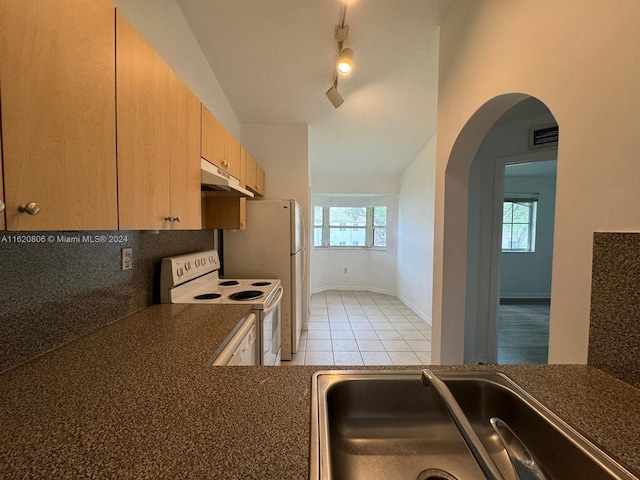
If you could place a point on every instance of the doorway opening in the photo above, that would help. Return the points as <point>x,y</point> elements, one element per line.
<point>525,260</point>
<point>511,206</point>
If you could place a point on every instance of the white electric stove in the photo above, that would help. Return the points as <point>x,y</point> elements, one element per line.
<point>193,278</point>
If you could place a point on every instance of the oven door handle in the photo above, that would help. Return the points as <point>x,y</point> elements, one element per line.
<point>275,302</point>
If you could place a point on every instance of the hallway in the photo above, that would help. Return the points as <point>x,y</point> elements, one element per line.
<point>362,328</point>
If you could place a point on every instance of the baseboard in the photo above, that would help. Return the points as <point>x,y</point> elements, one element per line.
<point>417,311</point>
<point>525,300</point>
<point>354,288</point>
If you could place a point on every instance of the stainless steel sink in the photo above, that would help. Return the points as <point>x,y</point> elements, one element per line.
<point>387,425</point>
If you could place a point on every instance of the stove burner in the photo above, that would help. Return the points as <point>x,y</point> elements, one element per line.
<point>246,295</point>
<point>261,284</point>
<point>207,296</point>
<point>229,283</point>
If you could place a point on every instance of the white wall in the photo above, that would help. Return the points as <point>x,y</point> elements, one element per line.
<point>367,269</point>
<point>163,25</point>
<point>364,183</point>
<point>528,275</point>
<point>283,151</point>
<point>415,232</point>
<point>581,61</point>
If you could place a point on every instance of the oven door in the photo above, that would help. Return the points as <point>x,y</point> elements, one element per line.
<point>270,332</point>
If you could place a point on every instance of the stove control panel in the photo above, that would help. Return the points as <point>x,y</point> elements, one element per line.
<point>180,269</point>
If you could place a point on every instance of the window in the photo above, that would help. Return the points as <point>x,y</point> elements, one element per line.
<point>363,227</point>
<point>519,222</point>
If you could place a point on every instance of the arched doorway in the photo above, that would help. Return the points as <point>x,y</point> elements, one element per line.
<point>457,337</point>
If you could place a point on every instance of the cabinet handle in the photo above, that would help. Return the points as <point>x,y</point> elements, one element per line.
<point>178,219</point>
<point>30,208</point>
<point>2,206</point>
<point>169,218</point>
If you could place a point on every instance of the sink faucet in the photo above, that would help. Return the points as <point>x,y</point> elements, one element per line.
<point>524,465</point>
<point>470,437</point>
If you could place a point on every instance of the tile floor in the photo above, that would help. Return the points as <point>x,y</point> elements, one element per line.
<point>362,328</point>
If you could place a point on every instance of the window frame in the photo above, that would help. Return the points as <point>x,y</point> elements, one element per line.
<point>521,198</point>
<point>369,228</point>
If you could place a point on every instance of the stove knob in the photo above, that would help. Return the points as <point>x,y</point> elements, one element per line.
<point>203,260</point>
<point>180,271</point>
<point>187,266</point>
<point>197,262</point>
<point>211,259</point>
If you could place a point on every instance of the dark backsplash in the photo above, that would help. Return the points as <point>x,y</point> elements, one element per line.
<point>614,334</point>
<point>55,291</point>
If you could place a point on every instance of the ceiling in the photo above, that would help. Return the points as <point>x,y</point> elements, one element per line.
<point>546,168</point>
<point>275,60</point>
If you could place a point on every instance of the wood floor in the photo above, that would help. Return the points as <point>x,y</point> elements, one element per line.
<point>523,331</point>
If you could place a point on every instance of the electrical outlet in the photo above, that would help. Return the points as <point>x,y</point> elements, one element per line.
<point>127,258</point>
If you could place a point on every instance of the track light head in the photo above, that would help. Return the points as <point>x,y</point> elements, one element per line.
<point>334,97</point>
<point>345,61</point>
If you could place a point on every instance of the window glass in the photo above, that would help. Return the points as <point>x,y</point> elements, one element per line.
<point>363,227</point>
<point>348,216</point>
<point>379,216</point>
<point>351,237</point>
<point>518,225</point>
<point>317,216</point>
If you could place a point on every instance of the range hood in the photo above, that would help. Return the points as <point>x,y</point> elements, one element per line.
<point>217,179</point>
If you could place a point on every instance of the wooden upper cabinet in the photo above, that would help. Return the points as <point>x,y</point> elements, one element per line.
<point>158,139</point>
<point>233,156</point>
<point>58,114</point>
<point>219,147</point>
<point>213,139</point>
<point>254,176</point>
<point>2,205</point>
<point>184,153</point>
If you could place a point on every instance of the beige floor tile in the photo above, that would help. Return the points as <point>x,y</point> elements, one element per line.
<point>365,335</point>
<point>403,358</point>
<point>342,335</point>
<point>389,335</point>
<point>319,335</point>
<point>344,346</point>
<point>319,358</point>
<point>419,345</point>
<point>319,346</point>
<point>376,358</point>
<point>347,358</point>
<point>395,346</point>
<point>370,346</point>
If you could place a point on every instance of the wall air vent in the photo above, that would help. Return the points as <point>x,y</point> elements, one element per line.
<point>543,136</point>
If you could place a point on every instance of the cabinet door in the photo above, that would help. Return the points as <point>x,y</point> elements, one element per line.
<point>232,155</point>
<point>2,206</point>
<point>184,155</point>
<point>225,213</point>
<point>213,139</point>
<point>255,176</point>
<point>143,83</point>
<point>250,172</point>
<point>259,180</point>
<point>58,113</point>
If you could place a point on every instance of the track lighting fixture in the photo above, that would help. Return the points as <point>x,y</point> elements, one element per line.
<point>334,96</point>
<point>345,59</point>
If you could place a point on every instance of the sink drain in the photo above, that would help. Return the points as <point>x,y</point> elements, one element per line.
<point>435,474</point>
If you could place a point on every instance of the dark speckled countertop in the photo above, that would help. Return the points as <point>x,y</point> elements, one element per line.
<point>135,400</point>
